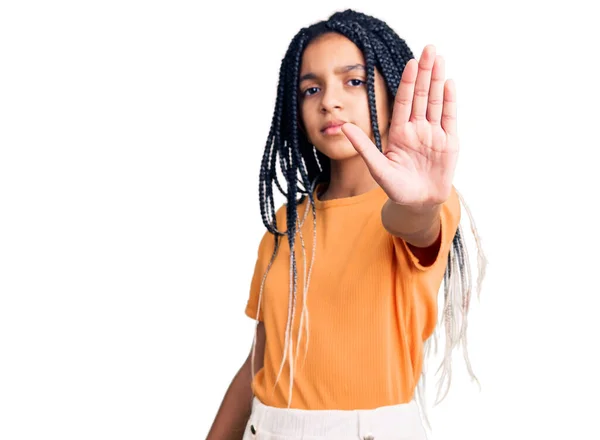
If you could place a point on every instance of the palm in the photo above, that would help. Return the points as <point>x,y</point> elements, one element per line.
<point>417,165</point>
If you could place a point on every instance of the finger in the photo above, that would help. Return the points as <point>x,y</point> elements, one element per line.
<point>375,160</point>
<point>449,110</point>
<point>404,95</point>
<point>421,95</point>
<point>436,91</point>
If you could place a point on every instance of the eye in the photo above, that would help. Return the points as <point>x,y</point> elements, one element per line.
<point>306,92</point>
<point>312,90</point>
<point>357,82</point>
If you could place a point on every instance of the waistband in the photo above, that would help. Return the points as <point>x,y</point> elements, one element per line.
<point>401,421</point>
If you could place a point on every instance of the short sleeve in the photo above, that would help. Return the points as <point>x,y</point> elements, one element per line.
<point>263,258</point>
<point>265,250</point>
<point>450,218</point>
<point>425,281</point>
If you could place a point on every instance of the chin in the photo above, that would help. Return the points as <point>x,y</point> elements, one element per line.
<point>339,150</point>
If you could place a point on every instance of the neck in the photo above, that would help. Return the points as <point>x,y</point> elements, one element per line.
<point>349,178</point>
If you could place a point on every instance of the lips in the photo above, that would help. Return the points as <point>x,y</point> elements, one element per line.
<point>333,126</point>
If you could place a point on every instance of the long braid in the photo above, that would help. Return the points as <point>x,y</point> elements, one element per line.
<point>286,167</point>
<point>286,147</point>
<point>370,66</point>
<point>297,165</point>
<point>301,163</point>
<point>356,33</point>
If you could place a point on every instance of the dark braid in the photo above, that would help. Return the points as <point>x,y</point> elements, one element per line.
<point>355,32</point>
<point>288,145</point>
<point>383,49</point>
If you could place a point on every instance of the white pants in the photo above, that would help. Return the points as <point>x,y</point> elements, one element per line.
<point>395,422</point>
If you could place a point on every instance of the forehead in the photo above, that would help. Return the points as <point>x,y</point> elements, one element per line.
<point>329,52</point>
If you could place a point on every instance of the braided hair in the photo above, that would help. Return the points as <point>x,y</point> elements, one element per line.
<point>303,167</point>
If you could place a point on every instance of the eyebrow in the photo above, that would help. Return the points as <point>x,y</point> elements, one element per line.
<point>339,70</point>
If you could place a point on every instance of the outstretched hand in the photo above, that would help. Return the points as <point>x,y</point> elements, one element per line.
<point>417,165</point>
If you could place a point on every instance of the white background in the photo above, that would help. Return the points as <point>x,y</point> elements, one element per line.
<point>131,135</point>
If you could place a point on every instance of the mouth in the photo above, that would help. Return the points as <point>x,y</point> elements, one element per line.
<point>333,128</point>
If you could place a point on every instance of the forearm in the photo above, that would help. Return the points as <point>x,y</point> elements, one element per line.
<point>419,226</point>
<point>233,414</point>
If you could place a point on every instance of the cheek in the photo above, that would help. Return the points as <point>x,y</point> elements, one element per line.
<point>383,115</point>
<point>307,124</point>
<point>383,118</point>
<point>304,113</point>
<point>310,120</point>
<point>382,98</point>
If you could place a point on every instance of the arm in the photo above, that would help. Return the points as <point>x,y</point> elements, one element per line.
<point>419,227</point>
<point>233,414</point>
<point>416,168</point>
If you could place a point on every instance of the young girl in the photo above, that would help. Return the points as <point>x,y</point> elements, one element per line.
<point>366,140</point>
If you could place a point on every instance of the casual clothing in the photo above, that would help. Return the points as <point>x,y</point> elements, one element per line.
<point>370,304</point>
<point>397,422</point>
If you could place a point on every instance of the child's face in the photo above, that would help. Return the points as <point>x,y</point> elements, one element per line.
<point>335,93</point>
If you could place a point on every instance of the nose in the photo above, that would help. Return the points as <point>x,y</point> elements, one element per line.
<point>330,100</point>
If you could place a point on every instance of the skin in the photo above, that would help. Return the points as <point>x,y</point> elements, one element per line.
<point>333,94</point>
<point>415,169</point>
<point>419,135</point>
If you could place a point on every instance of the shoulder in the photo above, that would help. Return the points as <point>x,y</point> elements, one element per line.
<point>281,213</point>
<point>279,223</point>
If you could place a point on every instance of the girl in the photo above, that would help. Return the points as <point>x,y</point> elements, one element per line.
<point>366,140</point>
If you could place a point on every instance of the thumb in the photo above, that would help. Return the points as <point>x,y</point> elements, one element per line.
<point>374,158</point>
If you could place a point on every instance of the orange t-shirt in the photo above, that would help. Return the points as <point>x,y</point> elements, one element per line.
<point>371,305</point>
